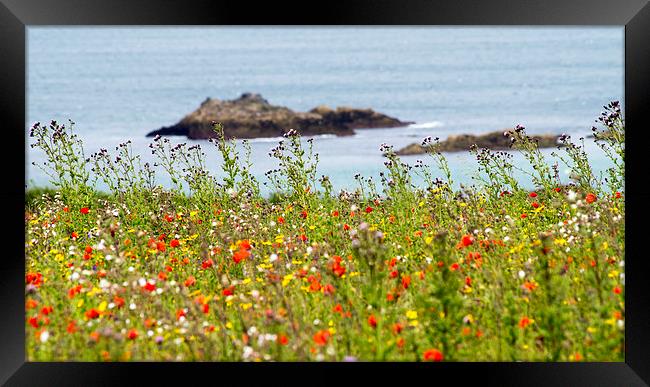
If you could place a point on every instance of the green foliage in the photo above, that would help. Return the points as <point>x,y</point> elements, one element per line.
<point>210,270</point>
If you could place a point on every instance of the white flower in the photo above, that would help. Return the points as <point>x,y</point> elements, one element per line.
<point>521,274</point>
<point>248,351</point>
<point>132,306</point>
<point>46,335</point>
<point>572,196</point>
<point>273,258</point>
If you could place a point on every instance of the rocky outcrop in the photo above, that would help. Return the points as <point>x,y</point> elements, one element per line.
<point>493,141</point>
<point>251,116</point>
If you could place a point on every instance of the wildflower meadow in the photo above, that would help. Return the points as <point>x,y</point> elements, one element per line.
<point>209,269</point>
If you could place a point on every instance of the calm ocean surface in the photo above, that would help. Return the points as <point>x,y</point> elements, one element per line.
<point>120,83</point>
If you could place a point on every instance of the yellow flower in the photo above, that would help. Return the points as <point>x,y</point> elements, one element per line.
<point>102,306</point>
<point>287,278</point>
<point>411,315</point>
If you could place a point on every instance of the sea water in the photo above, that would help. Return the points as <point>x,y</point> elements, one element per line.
<point>118,84</point>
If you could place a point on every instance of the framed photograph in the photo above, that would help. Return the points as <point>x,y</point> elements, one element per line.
<point>368,190</point>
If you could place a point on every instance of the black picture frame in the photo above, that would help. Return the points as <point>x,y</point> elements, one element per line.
<point>17,15</point>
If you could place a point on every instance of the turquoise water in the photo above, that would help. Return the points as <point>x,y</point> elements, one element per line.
<point>120,83</point>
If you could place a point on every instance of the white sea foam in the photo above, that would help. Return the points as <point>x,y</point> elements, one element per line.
<point>426,125</point>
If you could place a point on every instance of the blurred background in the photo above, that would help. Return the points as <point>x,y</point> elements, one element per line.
<point>118,84</point>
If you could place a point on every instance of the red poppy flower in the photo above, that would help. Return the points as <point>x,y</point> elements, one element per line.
<point>394,274</point>
<point>406,281</point>
<point>47,310</point>
<point>133,334</point>
<point>88,249</point>
<point>207,263</point>
<point>35,279</point>
<point>33,321</point>
<point>283,340</point>
<point>314,286</point>
<point>92,314</point>
<point>72,327</point>
<point>557,189</point>
<point>535,205</point>
<point>190,281</point>
<point>84,210</point>
<point>368,210</point>
<point>328,289</point>
<point>454,266</point>
<point>149,287</point>
<point>240,255</point>
<point>346,227</point>
<point>466,240</point>
<point>533,195</point>
<point>180,313</point>
<point>617,195</point>
<point>245,244</point>
<point>160,246</point>
<point>118,301</point>
<point>31,304</point>
<point>74,290</point>
<point>590,198</point>
<point>524,322</point>
<point>432,355</point>
<point>372,321</point>
<point>229,291</point>
<point>280,220</point>
<point>617,290</point>
<point>175,243</point>
<point>335,213</point>
<point>74,235</point>
<point>523,216</point>
<point>66,209</point>
<point>303,214</point>
<point>321,337</point>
